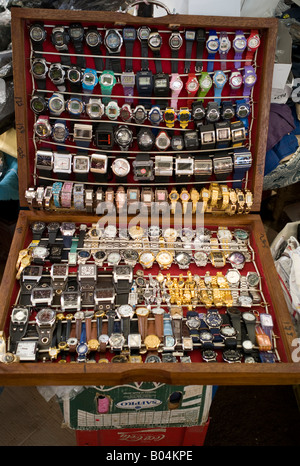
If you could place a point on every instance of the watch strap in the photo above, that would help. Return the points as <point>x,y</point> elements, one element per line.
<point>200,39</point>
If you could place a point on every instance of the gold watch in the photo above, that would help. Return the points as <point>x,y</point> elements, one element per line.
<point>248,200</point>
<point>214,193</point>
<point>225,196</point>
<point>195,197</point>
<point>240,201</point>
<point>185,197</point>
<point>173,197</point>
<point>205,196</point>
<point>152,342</point>
<point>231,209</point>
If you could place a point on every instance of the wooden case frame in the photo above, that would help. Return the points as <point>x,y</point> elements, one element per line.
<point>196,373</point>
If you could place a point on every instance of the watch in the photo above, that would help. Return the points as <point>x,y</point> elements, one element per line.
<point>207,136</point>
<point>107,81</point>
<point>112,110</point>
<point>128,83</point>
<point>121,168</point>
<point>67,229</point>
<point>212,112</point>
<point>145,139</point>
<point>81,166</point>
<point>144,84</point>
<point>189,36</point>
<point>232,356</point>
<point>242,160</point>
<point>133,196</point>
<point>184,167</point>
<point>142,315</point>
<point>60,131</point>
<point>60,39</point>
<point>225,46</point>
<point>164,259</point>
<point>213,320</point>
<point>45,324</point>
<point>89,80</point>
<point>39,71</point>
<point>122,280</point>
<point>253,43</point>
<point>238,133</point>
<point>243,111</point>
<point>18,325</point>
<point>184,117</point>
<point>175,43</point>
<point>143,35</point>
<point>123,137</point>
<point>176,86</point>
<point>173,197</point>
<point>94,39</point>
<point>222,167</point>
<point>200,40</point>
<point>155,43</point>
<point>162,141</point>
<point>104,136</point>
<point>143,168</point>
<point>212,46</point>
<point>126,112</point>
<point>113,42</point>
<point>205,83</point>
<point>250,321</point>
<point>235,81</point>
<point>62,164</point>
<point>223,134</point>
<point>192,86</point>
<point>37,34</point>
<point>219,80</point>
<point>249,79</point>
<point>129,37</point>
<point>75,106</point>
<point>42,127</point>
<point>169,117</point>
<point>57,75</point>
<point>239,45</point>
<point>125,313</point>
<point>74,76</point>
<point>227,110</point>
<point>229,335</point>
<point>161,86</point>
<point>198,111</point>
<point>76,33</point>
<point>163,167</point>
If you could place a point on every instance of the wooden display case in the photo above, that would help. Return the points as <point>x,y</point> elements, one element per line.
<point>51,372</point>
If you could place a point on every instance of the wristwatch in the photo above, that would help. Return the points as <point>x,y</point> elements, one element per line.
<point>60,39</point>
<point>143,168</point>
<point>45,324</point>
<point>122,280</point>
<point>42,127</point>
<point>189,36</point>
<point>219,80</point>
<point>143,35</point>
<point>161,88</point>
<point>18,325</point>
<point>89,80</point>
<point>212,112</point>
<point>253,43</point>
<point>249,79</point>
<point>198,111</point>
<point>192,86</point>
<point>235,81</point>
<point>213,320</point>
<point>107,81</point>
<point>76,33</point>
<point>173,197</point>
<point>212,46</point>
<point>200,41</point>
<point>125,313</point>
<point>74,76</point>
<point>243,111</point>
<point>225,46</point>
<point>94,39</point>
<point>162,141</point>
<point>175,43</point>
<point>239,45</point>
<point>223,134</point>
<point>238,133</point>
<point>222,167</point>
<point>155,43</point>
<point>242,161</point>
<point>81,167</point>
<point>207,136</point>
<point>205,83</point>
<point>184,117</point>
<point>124,137</point>
<point>39,71</point>
<point>104,136</point>
<point>176,86</point>
<point>250,322</point>
<point>37,34</point>
<point>144,84</point>
<point>67,229</point>
<point>128,83</point>
<point>112,110</point>
<point>57,75</point>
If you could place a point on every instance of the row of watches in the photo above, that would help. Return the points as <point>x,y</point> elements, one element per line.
<point>113,40</point>
<point>82,335</point>
<point>155,115</point>
<point>217,134</point>
<point>66,195</point>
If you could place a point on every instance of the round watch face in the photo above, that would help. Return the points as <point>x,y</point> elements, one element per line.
<point>213,45</point>
<point>231,356</point>
<point>164,257</point>
<point>254,42</point>
<point>247,345</point>
<point>193,322</point>
<point>213,319</point>
<point>99,255</point>
<point>125,310</point>
<point>237,258</point>
<point>249,317</point>
<point>206,82</point>
<point>142,312</point>
<point>37,33</point>
<point>170,234</point>
<point>240,43</point>
<point>103,338</point>
<point>253,278</point>
<point>155,40</point>
<point>147,258</point>
<point>110,231</point>
<point>114,258</point>
<point>233,277</point>
<point>177,85</point>
<point>228,331</point>
<point>93,38</point>
<point>206,336</point>
<point>40,252</point>
<point>116,340</point>
<point>113,40</point>
<point>46,316</point>
<point>250,79</point>
<point>236,80</point>
<point>183,258</point>
<point>241,234</point>
<point>84,254</point>
<point>120,167</point>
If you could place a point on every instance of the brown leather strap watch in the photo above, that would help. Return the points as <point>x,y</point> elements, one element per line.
<point>142,315</point>
<point>159,321</point>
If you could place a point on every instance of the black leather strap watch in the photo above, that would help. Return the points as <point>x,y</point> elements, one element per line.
<point>122,280</point>
<point>200,40</point>
<point>94,40</point>
<point>76,33</point>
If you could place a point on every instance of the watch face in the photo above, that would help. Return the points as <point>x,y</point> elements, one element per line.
<point>233,276</point>
<point>193,322</point>
<point>176,85</point>
<point>240,43</point>
<point>213,45</point>
<point>107,79</point>
<point>248,316</point>
<point>228,331</point>
<point>113,258</point>
<point>206,82</point>
<point>120,167</point>
<point>125,310</point>
<point>147,258</point>
<point>87,270</point>
<point>205,336</point>
<point>164,257</point>
<point>93,38</point>
<point>40,252</point>
<point>175,41</point>
<point>59,270</point>
<point>70,298</point>
<point>253,42</point>
<point>62,163</point>
<point>237,258</point>
<point>46,316</point>
<point>155,40</point>
<point>39,67</point>
<point>253,278</point>
<point>38,104</point>
<point>81,164</point>
<point>113,40</point>
<point>236,80</point>
<point>19,315</point>
<point>183,258</point>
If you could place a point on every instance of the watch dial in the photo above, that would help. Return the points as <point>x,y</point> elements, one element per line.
<point>45,316</point>
<point>113,40</point>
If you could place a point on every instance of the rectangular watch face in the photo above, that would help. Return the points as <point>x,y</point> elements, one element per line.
<point>99,163</point>
<point>104,139</point>
<point>44,160</point>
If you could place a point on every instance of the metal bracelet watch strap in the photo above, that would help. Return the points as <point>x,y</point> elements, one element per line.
<point>223,167</point>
